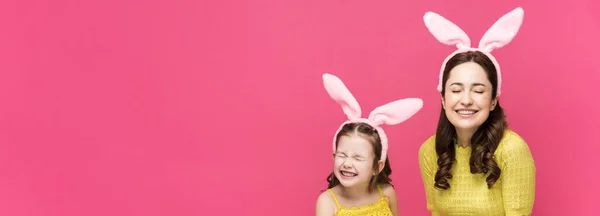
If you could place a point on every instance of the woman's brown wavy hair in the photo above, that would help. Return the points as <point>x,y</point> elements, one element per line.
<point>369,133</point>
<point>485,140</point>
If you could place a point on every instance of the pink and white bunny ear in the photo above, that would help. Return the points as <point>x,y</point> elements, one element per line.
<point>503,31</point>
<point>395,112</point>
<point>391,114</point>
<point>445,31</point>
<point>339,93</point>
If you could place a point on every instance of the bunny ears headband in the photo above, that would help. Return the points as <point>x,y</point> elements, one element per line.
<point>390,114</point>
<point>500,34</point>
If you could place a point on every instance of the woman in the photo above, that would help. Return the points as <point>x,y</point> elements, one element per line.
<point>474,164</point>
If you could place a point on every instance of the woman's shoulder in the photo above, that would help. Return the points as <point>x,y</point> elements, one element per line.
<point>512,143</point>
<point>428,146</point>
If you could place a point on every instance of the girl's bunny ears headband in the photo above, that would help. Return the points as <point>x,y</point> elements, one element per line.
<point>390,114</point>
<point>500,34</point>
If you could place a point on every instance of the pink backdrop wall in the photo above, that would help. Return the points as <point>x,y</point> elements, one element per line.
<point>217,108</point>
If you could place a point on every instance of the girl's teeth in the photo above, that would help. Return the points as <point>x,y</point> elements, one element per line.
<point>348,174</point>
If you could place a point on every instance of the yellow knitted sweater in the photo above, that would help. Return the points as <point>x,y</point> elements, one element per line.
<point>512,194</point>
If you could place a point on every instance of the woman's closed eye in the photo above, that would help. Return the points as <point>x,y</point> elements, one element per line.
<point>455,90</point>
<point>479,91</point>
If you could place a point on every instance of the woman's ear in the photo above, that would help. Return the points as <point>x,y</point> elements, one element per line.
<point>494,103</point>
<point>443,103</point>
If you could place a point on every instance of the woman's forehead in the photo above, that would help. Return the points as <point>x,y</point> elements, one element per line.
<point>467,73</point>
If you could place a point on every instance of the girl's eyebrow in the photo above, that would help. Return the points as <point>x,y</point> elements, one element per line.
<point>353,155</point>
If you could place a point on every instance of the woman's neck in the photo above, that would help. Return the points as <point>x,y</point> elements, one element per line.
<point>463,137</point>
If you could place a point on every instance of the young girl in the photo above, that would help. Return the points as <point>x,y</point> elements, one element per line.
<point>360,183</point>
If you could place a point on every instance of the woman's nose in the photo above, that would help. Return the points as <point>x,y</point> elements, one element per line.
<point>466,99</point>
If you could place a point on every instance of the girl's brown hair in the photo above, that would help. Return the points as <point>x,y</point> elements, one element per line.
<point>369,133</point>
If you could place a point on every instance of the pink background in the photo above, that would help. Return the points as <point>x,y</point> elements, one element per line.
<point>130,107</point>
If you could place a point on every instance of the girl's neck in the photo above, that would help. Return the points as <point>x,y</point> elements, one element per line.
<point>355,192</point>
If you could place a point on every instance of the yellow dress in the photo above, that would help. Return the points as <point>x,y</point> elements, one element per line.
<point>379,208</point>
<point>512,194</point>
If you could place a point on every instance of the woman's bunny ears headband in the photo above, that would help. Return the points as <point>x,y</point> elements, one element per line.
<point>500,34</point>
<point>390,114</point>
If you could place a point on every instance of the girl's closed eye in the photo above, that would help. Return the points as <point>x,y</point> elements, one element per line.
<point>340,155</point>
<point>359,158</point>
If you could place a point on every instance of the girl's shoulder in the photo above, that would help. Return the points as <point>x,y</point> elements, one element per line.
<point>326,195</point>
<point>325,204</point>
<point>388,190</point>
